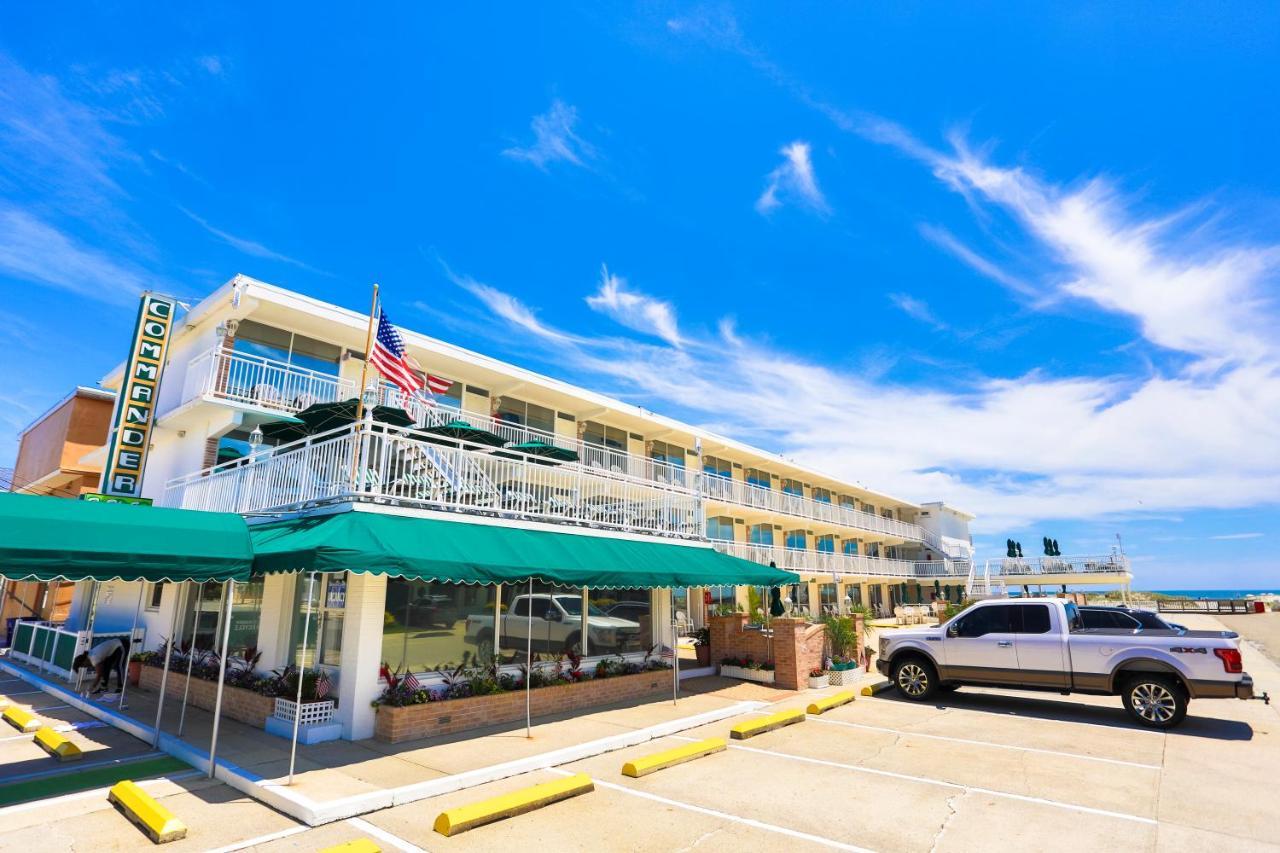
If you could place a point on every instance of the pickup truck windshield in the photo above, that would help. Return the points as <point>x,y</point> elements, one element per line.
<point>572,605</point>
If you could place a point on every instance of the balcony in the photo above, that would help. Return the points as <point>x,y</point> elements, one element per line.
<point>827,563</point>
<point>1013,567</point>
<point>747,494</point>
<point>253,380</point>
<point>377,463</point>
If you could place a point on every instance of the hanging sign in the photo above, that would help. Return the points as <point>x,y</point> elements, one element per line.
<point>99,498</point>
<point>134,416</point>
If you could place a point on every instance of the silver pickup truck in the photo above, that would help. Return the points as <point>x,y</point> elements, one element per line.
<point>1041,644</point>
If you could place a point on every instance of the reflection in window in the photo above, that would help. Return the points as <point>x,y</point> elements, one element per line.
<point>793,487</point>
<point>717,467</point>
<point>550,621</point>
<point>826,544</point>
<point>720,528</point>
<point>530,415</point>
<point>761,534</point>
<point>428,625</point>
<point>325,602</point>
<point>756,477</point>
<point>822,495</point>
<point>797,539</point>
<point>850,547</point>
<point>620,621</point>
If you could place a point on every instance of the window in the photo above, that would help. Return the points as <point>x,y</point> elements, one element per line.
<point>854,593</point>
<point>720,528</point>
<point>1032,619</point>
<point>556,621</point>
<point>428,625</point>
<point>826,544</point>
<point>848,502</point>
<point>326,608</point>
<point>850,547</point>
<point>154,595</point>
<point>761,534</point>
<point>995,619</point>
<point>279,345</point>
<point>797,539</point>
<point>619,621</point>
<point>202,616</point>
<point>514,411</point>
<point>756,477</point>
<point>451,397</point>
<point>792,487</point>
<point>822,495</point>
<point>717,467</point>
<point>723,596</point>
<point>799,595</point>
<point>612,443</point>
<point>1073,616</point>
<point>671,454</point>
<point>829,595</point>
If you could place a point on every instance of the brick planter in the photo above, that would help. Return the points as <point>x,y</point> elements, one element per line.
<point>411,722</point>
<point>237,703</point>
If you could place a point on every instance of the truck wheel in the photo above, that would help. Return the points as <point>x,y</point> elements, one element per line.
<point>484,648</point>
<point>1156,701</point>
<point>915,678</point>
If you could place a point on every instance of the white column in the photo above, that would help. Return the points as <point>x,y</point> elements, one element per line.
<point>361,654</point>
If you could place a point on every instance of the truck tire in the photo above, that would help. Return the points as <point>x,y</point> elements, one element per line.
<point>915,678</point>
<point>1156,701</point>
<point>484,647</point>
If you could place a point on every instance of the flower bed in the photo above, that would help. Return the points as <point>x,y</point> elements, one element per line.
<point>428,717</point>
<point>748,670</point>
<point>238,703</point>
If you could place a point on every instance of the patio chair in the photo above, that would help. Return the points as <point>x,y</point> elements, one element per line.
<point>899,615</point>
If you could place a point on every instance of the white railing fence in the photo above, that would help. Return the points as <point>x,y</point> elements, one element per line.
<point>258,381</point>
<point>1032,566</point>
<point>821,562</point>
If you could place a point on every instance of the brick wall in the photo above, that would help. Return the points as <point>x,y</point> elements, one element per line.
<point>795,646</point>
<point>393,725</point>
<point>237,703</point>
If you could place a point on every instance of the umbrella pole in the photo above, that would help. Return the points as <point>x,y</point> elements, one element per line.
<point>168,656</point>
<point>302,669</point>
<point>133,629</point>
<point>227,589</point>
<point>528,657</point>
<point>675,653</point>
<point>191,657</point>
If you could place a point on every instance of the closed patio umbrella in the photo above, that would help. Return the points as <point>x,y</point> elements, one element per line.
<point>937,588</point>
<point>460,430</point>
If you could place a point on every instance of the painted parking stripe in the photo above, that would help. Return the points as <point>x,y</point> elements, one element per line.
<point>385,837</point>
<point>261,839</point>
<point>63,729</point>
<point>987,743</point>
<point>732,818</point>
<point>98,793</point>
<point>956,786</point>
<point>110,762</point>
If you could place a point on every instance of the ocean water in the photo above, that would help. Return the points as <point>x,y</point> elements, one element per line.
<point>1217,593</point>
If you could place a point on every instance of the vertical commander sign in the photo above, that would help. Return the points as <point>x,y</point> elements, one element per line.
<point>135,407</point>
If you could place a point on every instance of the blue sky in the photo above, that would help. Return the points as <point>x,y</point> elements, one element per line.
<point>1021,260</point>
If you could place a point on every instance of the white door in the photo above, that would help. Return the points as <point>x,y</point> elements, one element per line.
<point>979,645</point>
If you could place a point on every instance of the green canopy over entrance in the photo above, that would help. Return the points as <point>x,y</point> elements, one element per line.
<point>467,552</point>
<point>46,538</point>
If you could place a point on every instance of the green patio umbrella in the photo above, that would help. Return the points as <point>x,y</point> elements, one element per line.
<point>902,599</point>
<point>322,417</point>
<point>548,452</point>
<point>285,429</point>
<point>228,454</point>
<point>460,430</point>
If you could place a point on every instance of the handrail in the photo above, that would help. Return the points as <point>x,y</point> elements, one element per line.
<point>260,381</point>
<point>824,562</point>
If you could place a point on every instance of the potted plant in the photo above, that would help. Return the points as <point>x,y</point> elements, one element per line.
<point>818,677</point>
<point>136,660</point>
<point>702,646</point>
<point>842,639</point>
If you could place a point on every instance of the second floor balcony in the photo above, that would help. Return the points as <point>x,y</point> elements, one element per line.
<point>254,380</point>
<point>409,468</point>
<point>809,561</point>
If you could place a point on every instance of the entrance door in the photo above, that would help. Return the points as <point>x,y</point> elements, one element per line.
<point>980,645</point>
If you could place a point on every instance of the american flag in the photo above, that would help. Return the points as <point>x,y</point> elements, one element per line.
<point>390,358</point>
<point>411,683</point>
<point>323,685</point>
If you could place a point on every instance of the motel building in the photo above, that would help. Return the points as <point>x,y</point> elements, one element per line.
<point>502,470</point>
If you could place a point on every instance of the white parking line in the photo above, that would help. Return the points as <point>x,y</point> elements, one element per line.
<point>24,693</point>
<point>1053,752</point>
<point>733,818</point>
<point>384,836</point>
<point>944,784</point>
<point>261,839</point>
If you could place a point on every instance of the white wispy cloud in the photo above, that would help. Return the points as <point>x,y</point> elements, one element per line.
<point>633,309</point>
<point>249,247</point>
<point>1238,536</point>
<point>793,181</point>
<point>33,250</point>
<point>917,309</point>
<point>554,139</point>
<point>947,241</point>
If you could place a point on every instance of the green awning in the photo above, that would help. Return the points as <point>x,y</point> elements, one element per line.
<point>467,552</point>
<point>46,538</point>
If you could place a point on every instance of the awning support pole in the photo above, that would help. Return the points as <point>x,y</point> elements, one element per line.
<point>191,657</point>
<point>93,612</point>
<point>675,653</point>
<point>528,657</point>
<point>128,652</point>
<point>227,589</point>
<point>168,656</point>
<point>302,670</point>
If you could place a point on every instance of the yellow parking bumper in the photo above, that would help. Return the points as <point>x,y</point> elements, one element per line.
<point>57,745</point>
<point>461,819</point>
<point>360,845</point>
<point>159,824</point>
<point>671,757</point>
<point>823,705</point>
<point>23,721</point>
<point>751,728</point>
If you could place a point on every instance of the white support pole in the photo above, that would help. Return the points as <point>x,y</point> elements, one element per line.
<point>302,669</point>
<point>168,656</point>
<point>528,656</point>
<point>133,629</point>
<point>227,589</point>
<point>93,612</point>
<point>582,623</point>
<point>191,655</point>
<point>675,653</point>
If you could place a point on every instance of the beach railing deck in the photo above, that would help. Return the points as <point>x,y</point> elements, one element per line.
<point>1204,605</point>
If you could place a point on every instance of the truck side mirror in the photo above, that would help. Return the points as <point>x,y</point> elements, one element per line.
<point>953,630</point>
<point>552,615</point>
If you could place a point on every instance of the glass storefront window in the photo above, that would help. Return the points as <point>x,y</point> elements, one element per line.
<point>427,625</point>
<point>620,620</point>
<point>553,612</point>
<point>203,613</point>
<point>325,606</point>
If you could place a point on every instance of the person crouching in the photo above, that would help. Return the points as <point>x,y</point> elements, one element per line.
<point>104,658</point>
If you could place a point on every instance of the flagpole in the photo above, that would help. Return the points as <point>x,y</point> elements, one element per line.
<point>364,377</point>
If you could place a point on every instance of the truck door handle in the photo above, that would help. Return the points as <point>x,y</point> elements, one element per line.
<point>1005,643</point>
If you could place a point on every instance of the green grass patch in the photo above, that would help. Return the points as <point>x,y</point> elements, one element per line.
<point>83,780</point>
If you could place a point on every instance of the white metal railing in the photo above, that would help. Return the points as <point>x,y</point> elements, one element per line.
<point>748,494</point>
<point>818,562</point>
<point>941,568</point>
<point>427,412</point>
<point>258,381</point>
<point>1032,566</point>
<point>398,466</point>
